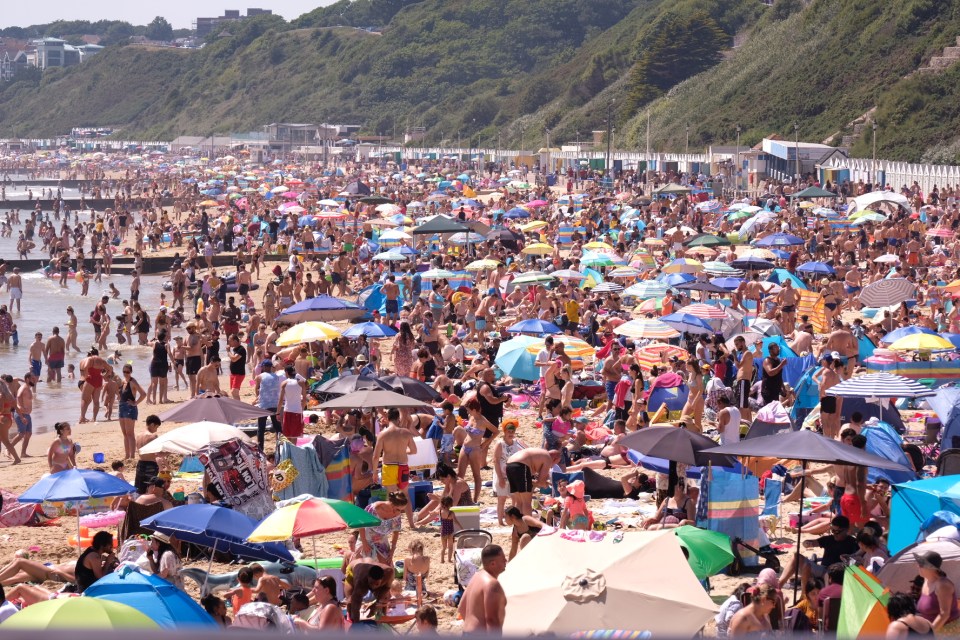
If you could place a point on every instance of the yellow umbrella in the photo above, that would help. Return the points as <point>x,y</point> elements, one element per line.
<point>209,203</point>
<point>654,242</point>
<point>538,249</point>
<point>807,205</point>
<point>308,332</point>
<point>573,347</point>
<point>480,265</point>
<point>602,246</point>
<point>952,287</point>
<point>922,342</point>
<point>766,254</point>
<point>532,226</point>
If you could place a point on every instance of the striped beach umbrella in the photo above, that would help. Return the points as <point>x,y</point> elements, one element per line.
<point>649,328</point>
<point>646,289</point>
<point>573,347</point>
<point>625,272</point>
<point>608,287</point>
<point>684,265</point>
<point>705,311</point>
<point>658,354</point>
<point>888,291</point>
<point>940,232</point>
<point>879,385</point>
<point>687,323</point>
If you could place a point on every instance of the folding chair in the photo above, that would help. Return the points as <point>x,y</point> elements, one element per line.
<point>949,463</point>
<point>772,495</point>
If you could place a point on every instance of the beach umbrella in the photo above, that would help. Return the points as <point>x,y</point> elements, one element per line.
<point>590,259</point>
<point>411,387</point>
<point>533,226</point>
<point>371,399</point>
<point>658,354</point>
<point>706,240</point>
<point>676,445</point>
<point>310,518</point>
<point>437,274</point>
<point>533,277</point>
<point>394,234</point>
<point>517,212</point>
<point>646,289</point>
<point>615,580</point>
<point>879,385</point>
<point>709,552</point>
<point>888,291</point>
<point>719,268</point>
<point>727,284</point>
<point>868,216</point>
<point>214,408</point>
<point>191,438</point>
<point>922,342</point>
<point>389,256</point>
<point>534,326</point>
<point>76,614</point>
<point>76,485</point>
<point>305,332</point>
<point>705,311</point>
<point>597,245</point>
<point>480,265</point>
<point>887,258</point>
<point>752,263</point>
<point>343,385</point>
<point>216,527</point>
<point>654,242</point>
<point>537,249</point>
<point>915,503</point>
<point>673,279</point>
<point>608,287</point>
<point>683,265</point>
<point>940,232</point>
<point>323,308</point>
<point>649,328</point>
<point>466,237</point>
<point>816,267</point>
<point>863,605</point>
<point>625,272</point>
<point>706,287</point>
<point>514,360</point>
<point>686,323</point>
<point>765,326</point>
<point>569,275</point>
<point>371,330</point>
<point>779,240</point>
<point>953,338</point>
<point>573,347</point>
<point>151,595</point>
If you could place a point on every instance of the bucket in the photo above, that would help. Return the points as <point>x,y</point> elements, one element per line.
<point>98,458</point>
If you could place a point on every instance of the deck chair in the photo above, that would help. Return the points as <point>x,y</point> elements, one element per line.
<point>948,464</point>
<point>136,513</point>
<point>772,494</point>
<point>830,615</point>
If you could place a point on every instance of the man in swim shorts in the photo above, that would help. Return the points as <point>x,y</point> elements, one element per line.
<point>54,352</point>
<point>391,291</point>
<point>526,469</point>
<point>394,446</point>
<point>15,287</point>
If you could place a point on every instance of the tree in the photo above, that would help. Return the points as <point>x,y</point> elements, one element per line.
<point>117,33</point>
<point>160,30</point>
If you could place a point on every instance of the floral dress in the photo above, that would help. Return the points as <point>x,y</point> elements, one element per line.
<point>378,537</point>
<point>403,357</point>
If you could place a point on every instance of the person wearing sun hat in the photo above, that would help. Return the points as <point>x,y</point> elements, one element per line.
<point>938,595</point>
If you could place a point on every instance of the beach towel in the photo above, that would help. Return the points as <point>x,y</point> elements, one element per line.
<point>730,503</point>
<point>310,477</point>
<point>811,304</point>
<point>339,484</point>
<point>238,472</point>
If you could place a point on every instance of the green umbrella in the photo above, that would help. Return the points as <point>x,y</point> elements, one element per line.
<point>79,613</point>
<point>708,552</point>
<point>707,240</point>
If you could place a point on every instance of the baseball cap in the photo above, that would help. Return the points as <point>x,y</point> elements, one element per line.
<point>266,363</point>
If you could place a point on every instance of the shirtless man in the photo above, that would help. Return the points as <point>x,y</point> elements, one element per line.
<point>754,618</point>
<point>744,380</point>
<point>612,372</point>
<point>194,344</point>
<point>483,603</point>
<point>753,290</point>
<point>35,354</point>
<point>843,342</point>
<point>156,487</point>
<point>15,287</point>
<point>208,382</point>
<point>394,445</point>
<point>787,302</point>
<point>802,340</point>
<point>8,403</point>
<point>179,286</point>
<point>23,418</point>
<point>826,377</point>
<point>853,283</point>
<point>487,311</point>
<point>391,291</point>
<point>92,370</point>
<point>526,469</point>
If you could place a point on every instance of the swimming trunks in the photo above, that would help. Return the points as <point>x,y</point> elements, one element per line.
<point>391,306</point>
<point>193,365</point>
<point>35,366</point>
<point>519,477</point>
<point>236,381</point>
<point>742,394</point>
<point>24,422</point>
<point>828,404</point>
<point>480,323</point>
<point>15,293</point>
<point>395,475</point>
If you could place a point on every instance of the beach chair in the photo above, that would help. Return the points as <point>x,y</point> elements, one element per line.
<point>948,464</point>
<point>467,546</point>
<point>772,495</point>
<point>829,615</point>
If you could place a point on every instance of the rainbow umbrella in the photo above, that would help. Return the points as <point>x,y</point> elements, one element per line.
<point>310,518</point>
<point>658,354</point>
<point>79,613</point>
<point>573,347</point>
<point>863,605</point>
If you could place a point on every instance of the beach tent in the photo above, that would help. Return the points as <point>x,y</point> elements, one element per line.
<point>899,571</point>
<point>863,605</point>
<point>779,276</point>
<point>670,390</point>
<point>771,419</point>
<point>440,224</point>
<point>633,581</point>
<point>913,502</point>
<point>868,200</point>
<point>946,404</point>
<point>807,396</point>
<point>869,409</point>
<point>884,441</point>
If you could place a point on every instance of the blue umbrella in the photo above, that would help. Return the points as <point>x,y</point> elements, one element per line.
<point>323,308</point>
<point>514,360</point>
<point>218,528</point>
<point>952,337</point>
<point>779,240</point>
<point>152,596</point>
<point>534,325</point>
<point>371,330</point>
<point>517,212</point>
<point>816,267</point>
<point>75,485</point>
<point>673,279</point>
<point>688,323</point>
<point>903,332</point>
<point>730,284</point>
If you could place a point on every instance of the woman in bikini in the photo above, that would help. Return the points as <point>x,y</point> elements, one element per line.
<point>62,454</point>
<point>675,511</point>
<point>525,528</point>
<point>131,394</point>
<point>471,453</point>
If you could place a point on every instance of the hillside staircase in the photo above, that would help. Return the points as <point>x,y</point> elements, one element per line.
<point>949,57</point>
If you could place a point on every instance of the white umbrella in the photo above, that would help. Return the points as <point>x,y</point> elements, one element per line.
<point>191,438</point>
<point>888,291</point>
<point>635,581</point>
<point>608,287</point>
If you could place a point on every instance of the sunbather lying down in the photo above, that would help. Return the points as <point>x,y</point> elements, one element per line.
<point>23,570</point>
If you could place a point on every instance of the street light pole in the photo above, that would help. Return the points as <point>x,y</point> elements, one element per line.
<point>873,166</point>
<point>736,173</point>
<point>688,141</point>
<point>608,168</point>
<point>796,141</point>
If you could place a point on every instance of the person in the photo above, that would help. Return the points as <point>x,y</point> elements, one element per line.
<point>25,570</point>
<point>380,542</point>
<point>238,365</point>
<point>506,446</point>
<point>675,511</point>
<point>217,608</point>
<point>164,561</point>
<point>394,445</point>
<point>8,403</point>
<point>267,386</point>
<point>62,454</point>
<point>483,603</point>
<point>526,469</point>
<point>130,396</point>
<point>827,376</point>
<point>575,512</point>
<point>453,486</point>
<point>426,619</point>
<point>754,618</point>
<point>744,377</point>
<point>23,416</point>
<point>15,287</point>
<point>448,522</point>
<point>904,621</point>
<point>524,529</point>
<point>92,371</point>
<point>96,561</point>
<point>54,352</point>
<point>361,577</point>
<point>417,564</point>
<point>147,466</point>
<point>835,545</point>
<point>159,370</point>
<point>771,385</point>
<point>728,421</point>
<point>293,400</point>
<point>729,608</point>
<point>403,348</point>
<point>327,614</point>
<point>155,494</point>
<point>7,608</point>
<point>938,595</point>
<point>471,451</point>
<point>808,605</point>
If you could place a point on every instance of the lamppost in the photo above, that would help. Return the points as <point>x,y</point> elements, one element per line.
<point>796,141</point>
<point>873,166</point>
<point>608,169</point>
<point>473,126</point>
<point>549,168</point>
<point>688,141</point>
<point>736,173</point>
<point>521,139</point>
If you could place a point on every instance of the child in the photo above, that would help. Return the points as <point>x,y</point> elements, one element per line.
<point>14,335</point>
<point>447,454</point>
<point>575,512</point>
<point>117,466</point>
<point>398,604</point>
<point>426,618</point>
<point>71,372</point>
<point>447,521</point>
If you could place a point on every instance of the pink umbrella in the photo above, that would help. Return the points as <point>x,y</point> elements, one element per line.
<point>289,195</point>
<point>538,203</point>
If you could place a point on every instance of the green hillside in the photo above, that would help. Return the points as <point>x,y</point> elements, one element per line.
<point>523,69</point>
